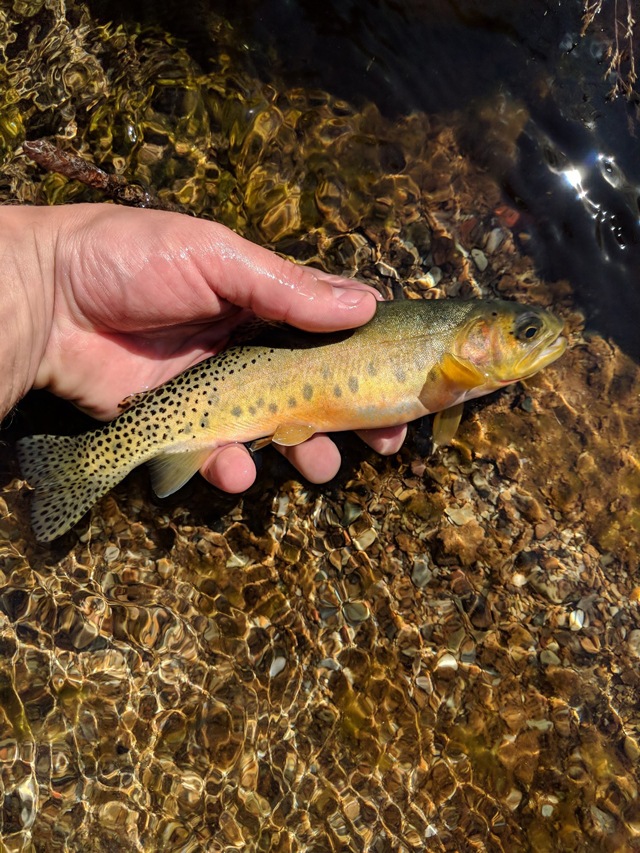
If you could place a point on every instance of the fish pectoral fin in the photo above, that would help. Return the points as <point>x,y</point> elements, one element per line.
<point>170,471</point>
<point>289,434</point>
<point>461,372</point>
<point>445,425</point>
<point>449,380</point>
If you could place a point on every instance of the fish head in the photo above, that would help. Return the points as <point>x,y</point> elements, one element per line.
<point>508,341</point>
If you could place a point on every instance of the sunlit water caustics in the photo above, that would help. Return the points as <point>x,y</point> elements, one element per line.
<point>434,652</point>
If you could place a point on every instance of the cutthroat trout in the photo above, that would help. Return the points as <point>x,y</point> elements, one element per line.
<point>413,358</point>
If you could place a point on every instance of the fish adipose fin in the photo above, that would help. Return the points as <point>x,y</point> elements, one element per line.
<point>170,471</point>
<point>133,399</point>
<point>65,482</point>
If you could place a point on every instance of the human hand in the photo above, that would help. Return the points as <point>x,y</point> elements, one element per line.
<point>133,297</point>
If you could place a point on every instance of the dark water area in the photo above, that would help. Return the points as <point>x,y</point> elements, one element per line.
<point>575,177</point>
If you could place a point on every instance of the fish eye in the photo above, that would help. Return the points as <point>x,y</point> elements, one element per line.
<point>528,327</point>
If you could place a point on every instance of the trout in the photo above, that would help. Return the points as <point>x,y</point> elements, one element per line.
<point>413,358</point>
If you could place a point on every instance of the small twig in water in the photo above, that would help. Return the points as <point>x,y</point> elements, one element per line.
<point>74,167</point>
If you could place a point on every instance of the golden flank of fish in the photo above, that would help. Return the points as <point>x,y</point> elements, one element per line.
<point>414,357</point>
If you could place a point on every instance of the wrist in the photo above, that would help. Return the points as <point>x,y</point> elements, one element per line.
<point>26,297</point>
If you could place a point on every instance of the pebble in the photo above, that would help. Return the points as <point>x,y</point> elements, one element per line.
<point>549,658</point>
<point>424,683</point>
<point>447,661</point>
<point>434,276</point>
<point>513,799</point>
<point>365,539</point>
<point>421,573</point>
<point>277,665</point>
<point>494,240</point>
<point>633,642</point>
<point>576,620</point>
<point>460,515</point>
<point>479,259</point>
<point>356,612</point>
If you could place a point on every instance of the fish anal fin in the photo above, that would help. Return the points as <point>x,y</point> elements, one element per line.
<point>288,435</point>
<point>449,380</point>
<point>259,443</point>
<point>445,424</point>
<point>170,471</point>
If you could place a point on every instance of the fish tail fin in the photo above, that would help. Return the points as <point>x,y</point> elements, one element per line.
<point>66,481</point>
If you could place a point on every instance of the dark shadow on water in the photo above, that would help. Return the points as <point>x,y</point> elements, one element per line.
<point>448,55</point>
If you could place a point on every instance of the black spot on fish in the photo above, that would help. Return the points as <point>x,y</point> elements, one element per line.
<point>273,408</point>
<point>372,370</point>
<point>292,402</point>
<point>236,411</point>
<point>353,384</point>
<point>307,391</point>
<point>337,391</point>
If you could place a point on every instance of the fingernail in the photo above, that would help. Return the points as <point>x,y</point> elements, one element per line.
<point>350,296</point>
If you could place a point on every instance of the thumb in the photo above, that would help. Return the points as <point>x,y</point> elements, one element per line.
<point>250,276</point>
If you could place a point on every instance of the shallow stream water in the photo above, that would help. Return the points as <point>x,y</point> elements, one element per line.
<point>433,652</point>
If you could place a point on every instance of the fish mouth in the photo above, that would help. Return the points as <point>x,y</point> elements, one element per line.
<point>544,354</point>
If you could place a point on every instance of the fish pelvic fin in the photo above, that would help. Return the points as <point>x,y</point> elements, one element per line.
<point>445,425</point>
<point>170,471</point>
<point>288,435</point>
<point>66,484</point>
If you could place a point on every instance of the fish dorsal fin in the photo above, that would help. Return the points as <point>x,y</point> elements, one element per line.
<point>445,424</point>
<point>170,471</point>
<point>449,380</point>
<point>289,434</point>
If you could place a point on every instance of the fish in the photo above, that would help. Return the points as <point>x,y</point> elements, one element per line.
<point>413,358</point>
